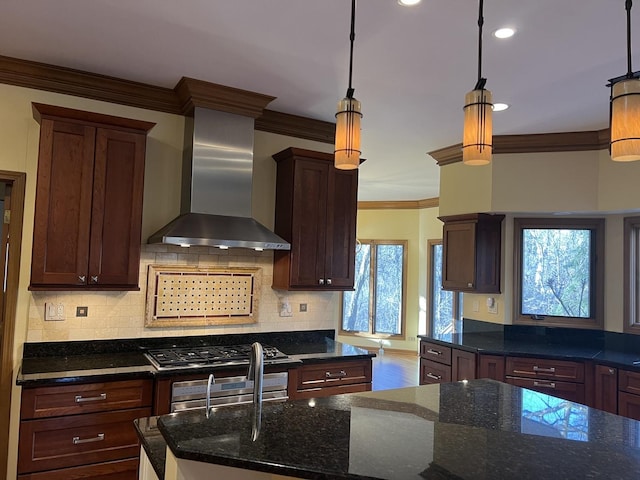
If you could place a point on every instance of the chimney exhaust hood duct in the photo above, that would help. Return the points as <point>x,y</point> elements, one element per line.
<point>217,175</point>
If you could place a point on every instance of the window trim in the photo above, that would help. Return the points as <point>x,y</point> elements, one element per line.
<point>403,315</point>
<point>597,225</point>
<point>457,303</point>
<point>630,272</point>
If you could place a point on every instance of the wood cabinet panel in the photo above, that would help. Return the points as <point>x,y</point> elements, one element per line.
<point>567,390</point>
<point>433,372</point>
<point>56,401</point>
<point>629,405</point>
<point>545,368</point>
<point>472,248</point>
<point>53,443</point>
<point>116,470</point>
<point>606,388</point>
<point>88,213</point>
<point>316,208</point>
<point>463,365</point>
<point>332,390</point>
<point>491,366</point>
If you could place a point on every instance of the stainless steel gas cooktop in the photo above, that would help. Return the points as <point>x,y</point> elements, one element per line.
<point>203,356</point>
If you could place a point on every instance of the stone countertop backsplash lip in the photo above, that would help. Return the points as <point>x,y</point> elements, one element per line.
<point>607,348</point>
<point>70,362</point>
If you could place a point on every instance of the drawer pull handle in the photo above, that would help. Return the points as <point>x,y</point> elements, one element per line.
<point>340,374</point>
<point>435,377</point>
<point>78,440</point>
<point>434,352</point>
<point>81,399</point>
<point>538,369</point>
<point>544,384</point>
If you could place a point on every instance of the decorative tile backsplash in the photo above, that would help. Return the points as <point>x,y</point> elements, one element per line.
<point>122,314</point>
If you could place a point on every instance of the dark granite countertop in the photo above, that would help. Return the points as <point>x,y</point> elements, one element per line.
<point>99,360</point>
<point>609,348</point>
<point>478,430</point>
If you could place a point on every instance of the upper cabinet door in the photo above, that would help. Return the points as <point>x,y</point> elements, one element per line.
<point>88,200</point>
<point>472,247</point>
<point>316,208</point>
<point>63,203</point>
<point>116,220</point>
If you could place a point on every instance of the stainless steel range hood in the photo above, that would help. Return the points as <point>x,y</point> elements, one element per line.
<point>217,175</point>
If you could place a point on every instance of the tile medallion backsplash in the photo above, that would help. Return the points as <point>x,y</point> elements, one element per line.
<point>122,314</point>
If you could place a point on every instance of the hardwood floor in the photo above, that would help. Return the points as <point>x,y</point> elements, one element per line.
<point>395,369</point>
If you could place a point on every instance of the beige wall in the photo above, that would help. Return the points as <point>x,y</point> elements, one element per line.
<point>568,183</point>
<point>416,226</point>
<point>121,314</point>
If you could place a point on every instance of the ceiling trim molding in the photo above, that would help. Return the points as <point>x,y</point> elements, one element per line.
<point>198,93</point>
<point>399,204</point>
<point>296,126</point>
<point>533,143</point>
<point>68,81</point>
<point>78,83</point>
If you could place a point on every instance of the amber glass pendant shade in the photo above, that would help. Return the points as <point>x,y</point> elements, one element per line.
<point>625,120</point>
<point>477,139</point>
<point>347,145</point>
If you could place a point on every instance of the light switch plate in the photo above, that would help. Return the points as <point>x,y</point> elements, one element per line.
<point>53,311</point>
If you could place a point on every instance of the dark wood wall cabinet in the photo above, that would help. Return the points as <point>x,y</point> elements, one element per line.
<point>88,211</point>
<point>471,252</point>
<point>82,431</point>
<point>440,364</point>
<point>316,208</point>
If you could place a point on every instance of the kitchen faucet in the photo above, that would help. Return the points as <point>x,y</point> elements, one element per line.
<point>256,371</point>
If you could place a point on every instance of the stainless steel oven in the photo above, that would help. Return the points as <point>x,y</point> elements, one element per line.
<point>188,395</point>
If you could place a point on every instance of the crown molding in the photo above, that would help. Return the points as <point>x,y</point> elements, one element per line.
<point>533,143</point>
<point>400,204</point>
<point>179,100</point>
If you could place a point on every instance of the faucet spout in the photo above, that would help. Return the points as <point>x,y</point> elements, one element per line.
<point>256,371</point>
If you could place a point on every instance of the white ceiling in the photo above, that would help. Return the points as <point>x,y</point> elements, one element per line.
<point>412,66</point>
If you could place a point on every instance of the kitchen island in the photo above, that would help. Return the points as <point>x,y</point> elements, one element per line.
<point>481,429</point>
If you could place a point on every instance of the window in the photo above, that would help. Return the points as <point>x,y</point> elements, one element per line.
<point>377,304</point>
<point>445,306</point>
<point>559,271</point>
<point>631,272</point>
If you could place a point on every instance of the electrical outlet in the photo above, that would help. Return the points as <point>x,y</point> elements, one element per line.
<point>285,308</point>
<point>82,311</point>
<point>53,311</point>
<point>303,307</point>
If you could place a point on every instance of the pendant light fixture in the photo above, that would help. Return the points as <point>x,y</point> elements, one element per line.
<point>625,108</point>
<point>347,143</point>
<point>477,139</point>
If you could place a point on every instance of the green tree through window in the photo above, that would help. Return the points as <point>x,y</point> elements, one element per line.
<point>376,306</point>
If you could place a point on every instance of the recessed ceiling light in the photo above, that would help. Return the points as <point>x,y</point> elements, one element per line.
<point>504,32</point>
<point>408,3</point>
<point>499,107</point>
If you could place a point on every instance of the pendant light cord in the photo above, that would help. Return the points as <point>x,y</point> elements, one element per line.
<point>628,4</point>
<point>481,81</point>
<point>352,37</point>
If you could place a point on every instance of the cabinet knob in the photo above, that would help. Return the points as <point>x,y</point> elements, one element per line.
<point>611,371</point>
<point>321,281</point>
<point>470,285</point>
<point>328,281</point>
<point>82,278</point>
<point>94,278</point>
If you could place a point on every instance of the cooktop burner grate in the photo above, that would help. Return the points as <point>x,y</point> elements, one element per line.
<point>210,355</point>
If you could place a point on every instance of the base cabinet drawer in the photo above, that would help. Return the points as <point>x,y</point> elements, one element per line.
<point>79,399</point>
<point>330,378</point>
<point>53,443</point>
<point>544,368</point>
<point>570,391</point>
<point>433,372</point>
<point>435,352</point>
<point>118,470</point>
<point>629,405</point>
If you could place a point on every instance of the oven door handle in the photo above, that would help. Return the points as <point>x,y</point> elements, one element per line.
<point>210,382</point>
